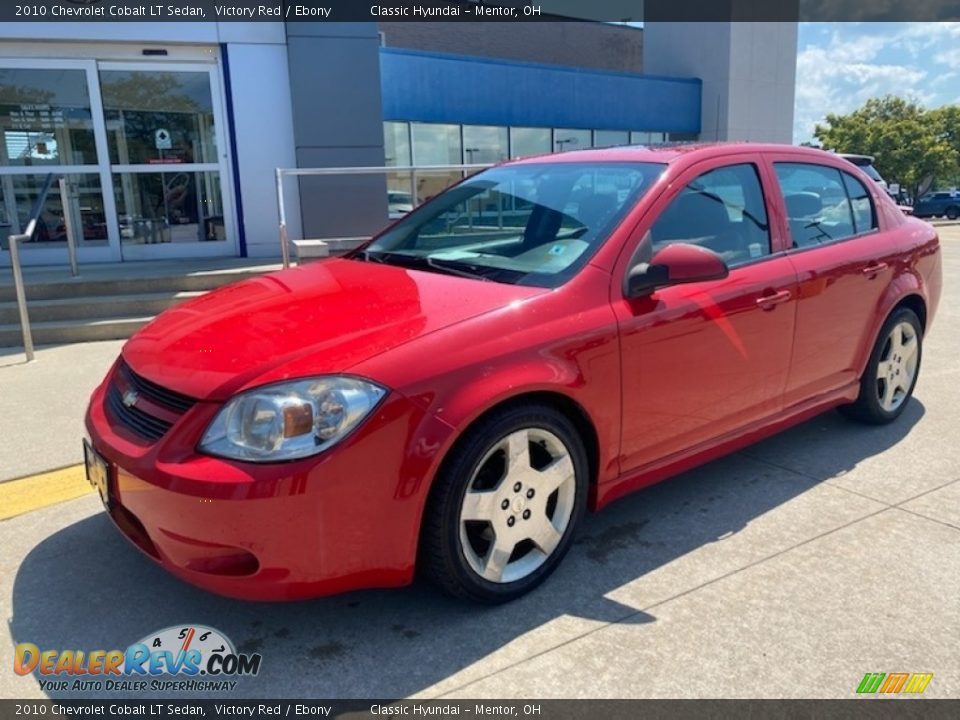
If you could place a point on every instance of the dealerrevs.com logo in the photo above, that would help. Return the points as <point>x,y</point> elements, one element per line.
<point>199,657</point>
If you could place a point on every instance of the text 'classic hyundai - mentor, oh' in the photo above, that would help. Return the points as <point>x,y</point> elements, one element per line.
<point>540,339</point>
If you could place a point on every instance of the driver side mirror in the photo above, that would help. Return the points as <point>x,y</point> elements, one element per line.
<point>675,264</point>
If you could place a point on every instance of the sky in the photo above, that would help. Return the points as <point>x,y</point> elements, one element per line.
<point>841,65</point>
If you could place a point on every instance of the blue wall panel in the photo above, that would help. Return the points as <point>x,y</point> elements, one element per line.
<point>428,87</point>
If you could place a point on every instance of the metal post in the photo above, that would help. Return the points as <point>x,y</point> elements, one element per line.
<point>284,241</point>
<point>65,201</point>
<point>21,295</point>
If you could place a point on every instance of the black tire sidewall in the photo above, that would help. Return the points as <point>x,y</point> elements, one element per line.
<point>460,471</point>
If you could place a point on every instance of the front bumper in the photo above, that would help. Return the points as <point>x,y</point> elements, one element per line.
<point>348,518</point>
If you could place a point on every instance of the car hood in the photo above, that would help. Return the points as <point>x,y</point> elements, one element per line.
<point>322,318</point>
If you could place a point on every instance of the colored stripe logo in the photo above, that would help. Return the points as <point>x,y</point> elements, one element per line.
<point>894,683</point>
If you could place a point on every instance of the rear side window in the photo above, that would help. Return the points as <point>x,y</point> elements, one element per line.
<point>817,199</point>
<point>864,219</point>
<point>722,210</point>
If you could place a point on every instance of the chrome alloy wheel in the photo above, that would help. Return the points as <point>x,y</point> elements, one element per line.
<point>517,505</point>
<point>897,367</point>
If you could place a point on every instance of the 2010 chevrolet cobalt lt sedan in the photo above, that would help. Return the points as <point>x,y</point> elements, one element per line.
<point>542,338</point>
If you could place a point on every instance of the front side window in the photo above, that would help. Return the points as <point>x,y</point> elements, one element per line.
<point>531,224</point>
<point>818,207</point>
<point>722,210</point>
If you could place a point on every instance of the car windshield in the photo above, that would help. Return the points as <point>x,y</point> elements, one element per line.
<point>528,224</point>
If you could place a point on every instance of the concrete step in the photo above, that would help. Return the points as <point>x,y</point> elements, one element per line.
<point>73,288</point>
<point>95,307</point>
<point>73,331</point>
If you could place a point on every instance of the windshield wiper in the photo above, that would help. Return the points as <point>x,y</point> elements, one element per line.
<point>422,262</point>
<point>455,268</point>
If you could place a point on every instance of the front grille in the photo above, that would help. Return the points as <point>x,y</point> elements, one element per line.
<point>139,422</point>
<point>137,419</point>
<point>153,392</point>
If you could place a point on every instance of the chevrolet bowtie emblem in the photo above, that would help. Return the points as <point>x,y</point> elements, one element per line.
<point>130,398</point>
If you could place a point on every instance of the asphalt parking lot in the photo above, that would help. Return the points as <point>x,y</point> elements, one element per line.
<point>789,569</point>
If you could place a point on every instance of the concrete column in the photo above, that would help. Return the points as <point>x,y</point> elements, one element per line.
<point>337,121</point>
<point>748,71</point>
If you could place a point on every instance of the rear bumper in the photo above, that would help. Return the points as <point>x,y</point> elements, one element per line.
<point>346,519</point>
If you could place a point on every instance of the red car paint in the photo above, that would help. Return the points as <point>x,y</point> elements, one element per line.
<point>657,384</point>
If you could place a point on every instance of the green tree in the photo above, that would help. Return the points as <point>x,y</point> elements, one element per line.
<point>908,143</point>
<point>947,120</point>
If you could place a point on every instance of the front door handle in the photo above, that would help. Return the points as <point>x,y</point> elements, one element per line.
<point>874,269</point>
<point>770,301</point>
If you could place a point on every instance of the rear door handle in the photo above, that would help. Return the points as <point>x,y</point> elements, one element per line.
<point>768,302</point>
<point>874,269</point>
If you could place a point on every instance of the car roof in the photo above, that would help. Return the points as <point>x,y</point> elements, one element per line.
<point>670,152</point>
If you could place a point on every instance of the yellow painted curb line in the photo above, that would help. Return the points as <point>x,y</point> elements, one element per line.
<point>39,491</point>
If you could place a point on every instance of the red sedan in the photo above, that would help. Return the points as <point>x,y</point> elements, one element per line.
<point>542,338</point>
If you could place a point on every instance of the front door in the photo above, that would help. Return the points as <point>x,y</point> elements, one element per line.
<point>167,159</point>
<point>142,146</point>
<point>705,359</point>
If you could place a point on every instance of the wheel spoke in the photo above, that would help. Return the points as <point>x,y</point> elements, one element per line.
<point>908,349</point>
<point>545,536</point>
<point>883,368</point>
<point>518,451</point>
<point>896,342</point>
<point>478,505</point>
<point>889,388</point>
<point>555,474</point>
<point>496,560</point>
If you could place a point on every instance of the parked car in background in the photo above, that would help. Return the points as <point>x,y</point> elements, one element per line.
<point>538,340</point>
<point>399,203</point>
<point>865,163</point>
<point>943,203</point>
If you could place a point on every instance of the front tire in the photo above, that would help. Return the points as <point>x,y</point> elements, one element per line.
<point>953,213</point>
<point>503,510</point>
<point>892,370</point>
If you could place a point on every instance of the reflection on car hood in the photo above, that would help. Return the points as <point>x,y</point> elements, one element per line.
<point>322,318</point>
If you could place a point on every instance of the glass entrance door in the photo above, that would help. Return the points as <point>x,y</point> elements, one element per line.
<point>167,160</point>
<point>142,147</point>
<point>50,126</point>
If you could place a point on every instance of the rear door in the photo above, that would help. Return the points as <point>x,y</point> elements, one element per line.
<point>843,263</point>
<point>705,359</point>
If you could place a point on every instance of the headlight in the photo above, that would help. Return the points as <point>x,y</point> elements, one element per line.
<point>290,420</point>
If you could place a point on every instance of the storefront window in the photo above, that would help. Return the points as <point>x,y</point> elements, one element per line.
<point>158,117</point>
<point>610,138</point>
<point>526,141</point>
<point>564,140</point>
<point>396,151</point>
<point>396,143</point>
<point>435,144</point>
<point>484,144</point>
<point>45,118</point>
<point>19,194</point>
<point>169,207</point>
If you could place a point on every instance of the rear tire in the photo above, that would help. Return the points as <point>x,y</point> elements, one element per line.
<point>892,370</point>
<point>504,508</point>
<point>953,212</point>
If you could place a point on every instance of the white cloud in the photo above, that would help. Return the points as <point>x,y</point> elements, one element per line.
<point>839,72</point>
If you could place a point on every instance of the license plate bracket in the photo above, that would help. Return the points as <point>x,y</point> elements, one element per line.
<point>98,472</point>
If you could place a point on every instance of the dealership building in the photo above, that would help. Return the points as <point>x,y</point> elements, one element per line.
<point>169,134</point>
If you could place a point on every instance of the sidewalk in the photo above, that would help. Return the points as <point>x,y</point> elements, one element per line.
<point>42,404</point>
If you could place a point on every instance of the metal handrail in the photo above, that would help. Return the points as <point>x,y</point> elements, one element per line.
<point>412,170</point>
<point>16,238</point>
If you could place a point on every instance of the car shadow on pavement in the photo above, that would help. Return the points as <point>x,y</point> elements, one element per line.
<point>85,587</point>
